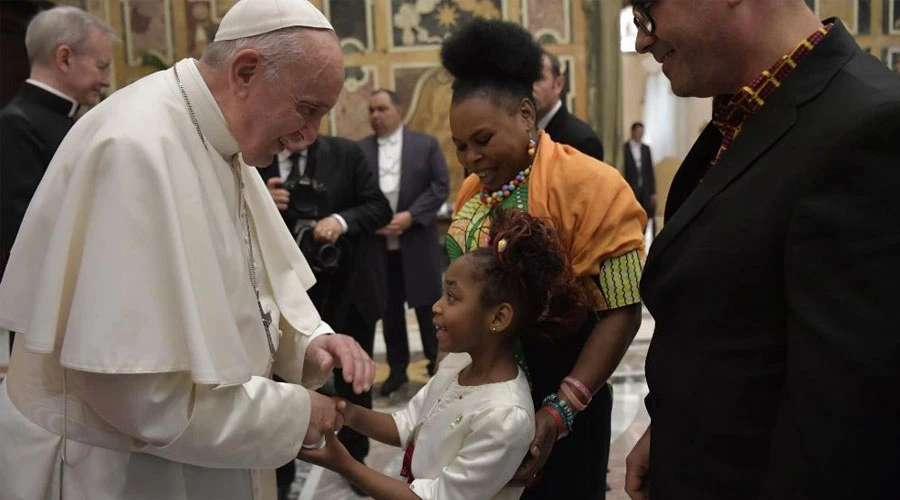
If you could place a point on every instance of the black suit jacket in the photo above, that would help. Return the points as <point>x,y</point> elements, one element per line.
<point>424,187</point>
<point>775,363</point>
<point>353,193</point>
<point>32,126</point>
<point>647,188</point>
<point>566,128</point>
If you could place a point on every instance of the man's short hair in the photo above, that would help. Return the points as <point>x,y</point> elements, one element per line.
<point>395,99</point>
<point>277,48</point>
<point>555,67</point>
<point>636,125</point>
<point>59,26</point>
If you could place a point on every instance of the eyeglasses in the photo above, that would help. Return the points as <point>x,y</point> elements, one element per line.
<point>642,17</point>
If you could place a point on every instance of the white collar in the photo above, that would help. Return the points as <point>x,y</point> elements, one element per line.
<point>543,122</point>
<point>635,144</point>
<point>391,139</point>
<point>285,154</point>
<point>209,115</point>
<point>55,92</point>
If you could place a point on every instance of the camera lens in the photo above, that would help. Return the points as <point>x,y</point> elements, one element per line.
<point>329,255</point>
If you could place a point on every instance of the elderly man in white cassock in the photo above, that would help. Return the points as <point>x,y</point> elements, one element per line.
<point>157,289</point>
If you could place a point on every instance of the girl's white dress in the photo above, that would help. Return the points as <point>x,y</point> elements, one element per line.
<point>470,439</point>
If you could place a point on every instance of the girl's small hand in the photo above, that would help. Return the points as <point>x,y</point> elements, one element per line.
<point>345,411</point>
<point>332,456</point>
<point>539,451</point>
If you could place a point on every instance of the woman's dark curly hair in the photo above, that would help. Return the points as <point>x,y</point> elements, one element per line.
<point>526,266</point>
<point>499,60</point>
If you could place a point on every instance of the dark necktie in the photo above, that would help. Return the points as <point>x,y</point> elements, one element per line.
<point>295,167</point>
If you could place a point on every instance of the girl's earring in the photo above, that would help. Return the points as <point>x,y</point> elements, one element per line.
<point>493,329</point>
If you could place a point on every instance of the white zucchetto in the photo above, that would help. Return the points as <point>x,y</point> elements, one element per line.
<point>255,17</point>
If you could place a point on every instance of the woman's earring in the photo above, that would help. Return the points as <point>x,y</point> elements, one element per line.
<point>493,329</point>
<point>532,147</point>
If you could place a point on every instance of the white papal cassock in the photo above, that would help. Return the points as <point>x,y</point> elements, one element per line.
<point>142,368</point>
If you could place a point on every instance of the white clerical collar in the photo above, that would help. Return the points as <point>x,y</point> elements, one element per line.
<point>206,109</point>
<point>543,122</point>
<point>391,139</point>
<point>56,92</point>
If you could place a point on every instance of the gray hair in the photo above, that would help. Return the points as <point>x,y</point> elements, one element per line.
<point>59,26</point>
<point>276,48</point>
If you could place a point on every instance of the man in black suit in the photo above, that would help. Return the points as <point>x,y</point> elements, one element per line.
<point>639,172</point>
<point>773,370</point>
<point>555,119</point>
<point>413,175</point>
<point>340,213</point>
<point>70,52</point>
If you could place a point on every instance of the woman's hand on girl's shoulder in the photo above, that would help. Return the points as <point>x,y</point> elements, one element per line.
<point>539,451</point>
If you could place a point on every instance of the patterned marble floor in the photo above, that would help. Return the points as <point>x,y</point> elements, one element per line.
<point>629,420</point>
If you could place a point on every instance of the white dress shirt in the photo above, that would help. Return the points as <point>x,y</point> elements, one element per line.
<point>390,150</point>
<point>543,122</point>
<point>636,154</point>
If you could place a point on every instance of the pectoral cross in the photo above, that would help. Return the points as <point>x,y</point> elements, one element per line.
<point>266,321</point>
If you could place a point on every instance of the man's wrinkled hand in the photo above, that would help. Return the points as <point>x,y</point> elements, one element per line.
<point>322,415</point>
<point>539,451</point>
<point>341,351</point>
<point>328,230</point>
<point>279,195</point>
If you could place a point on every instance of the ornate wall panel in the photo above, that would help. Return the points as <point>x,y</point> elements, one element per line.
<point>350,116</point>
<point>201,22</point>
<point>352,20</point>
<point>419,24</point>
<point>148,30</point>
<point>549,20</point>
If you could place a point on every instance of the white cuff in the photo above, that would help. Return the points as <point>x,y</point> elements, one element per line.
<point>323,329</point>
<point>342,221</point>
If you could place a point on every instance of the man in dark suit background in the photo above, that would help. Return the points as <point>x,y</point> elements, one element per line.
<point>639,172</point>
<point>350,209</point>
<point>773,370</point>
<point>555,119</point>
<point>412,173</point>
<point>70,52</point>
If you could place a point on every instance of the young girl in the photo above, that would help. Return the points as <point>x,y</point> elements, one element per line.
<point>467,431</point>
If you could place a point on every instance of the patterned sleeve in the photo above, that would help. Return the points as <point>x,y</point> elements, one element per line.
<point>617,284</point>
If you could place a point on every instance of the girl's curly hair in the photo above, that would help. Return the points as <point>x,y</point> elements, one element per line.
<point>526,266</point>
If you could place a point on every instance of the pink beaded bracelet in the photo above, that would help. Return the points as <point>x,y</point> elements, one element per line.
<point>580,387</point>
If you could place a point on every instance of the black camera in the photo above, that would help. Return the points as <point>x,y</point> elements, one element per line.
<point>308,204</point>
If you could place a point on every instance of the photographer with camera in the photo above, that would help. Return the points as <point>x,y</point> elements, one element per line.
<point>330,200</point>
